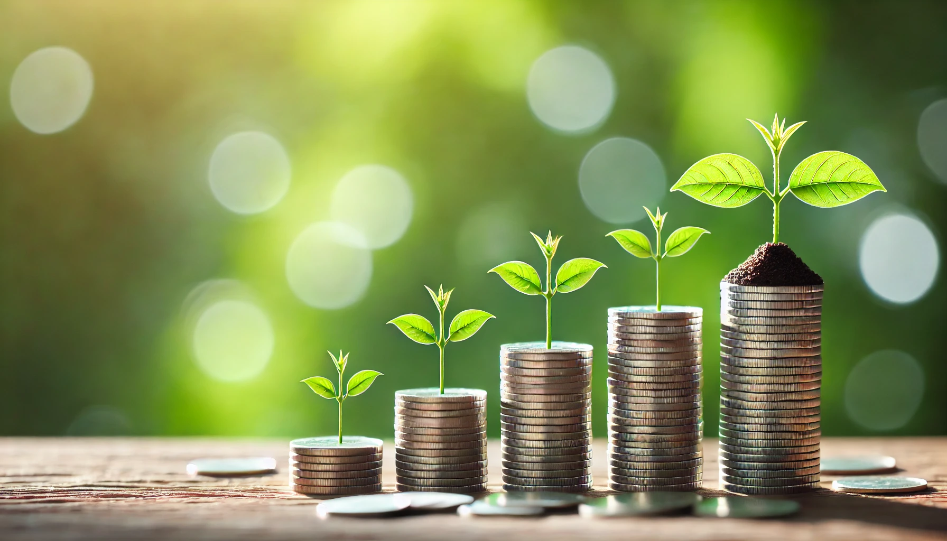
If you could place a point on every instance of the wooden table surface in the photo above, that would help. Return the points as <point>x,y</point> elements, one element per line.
<point>69,488</point>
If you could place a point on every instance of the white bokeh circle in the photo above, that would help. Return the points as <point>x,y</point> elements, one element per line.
<point>329,265</point>
<point>899,258</point>
<point>51,89</point>
<point>884,390</point>
<point>570,89</point>
<point>932,138</point>
<point>376,200</point>
<point>619,176</point>
<point>233,340</point>
<point>249,172</point>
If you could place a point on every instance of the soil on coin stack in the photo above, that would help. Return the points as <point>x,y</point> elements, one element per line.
<point>773,265</point>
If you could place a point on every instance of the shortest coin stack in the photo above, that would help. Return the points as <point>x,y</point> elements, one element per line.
<point>441,440</point>
<point>323,466</point>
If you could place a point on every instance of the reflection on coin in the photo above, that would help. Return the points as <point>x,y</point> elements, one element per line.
<point>374,505</point>
<point>548,500</point>
<point>484,509</point>
<point>439,501</point>
<point>877,484</point>
<point>330,446</point>
<point>228,467</point>
<point>644,503</point>
<point>733,507</point>
<point>853,465</point>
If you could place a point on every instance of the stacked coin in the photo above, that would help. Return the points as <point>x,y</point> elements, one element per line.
<point>545,414</point>
<point>770,382</point>
<point>441,440</point>
<point>655,421</point>
<point>323,466</point>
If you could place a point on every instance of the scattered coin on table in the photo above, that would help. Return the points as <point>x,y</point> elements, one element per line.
<point>481,508</point>
<point>436,501</point>
<point>877,484</point>
<point>745,507</point>
<point>546,500</point>
<point>638,504</point>
<point>858,465</point>
<point>229,467</point>
<point>374,505</point>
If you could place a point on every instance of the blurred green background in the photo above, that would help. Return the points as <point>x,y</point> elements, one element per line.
<point>148,282</point>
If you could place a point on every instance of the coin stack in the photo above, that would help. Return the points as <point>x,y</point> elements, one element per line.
<point>545,399</point>
<point>655,421</point>
<point>770,381</point>
<point>441,440</point>
<point>323,466</point>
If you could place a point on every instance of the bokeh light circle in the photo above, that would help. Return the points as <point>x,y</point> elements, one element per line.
<point>233,340</point>
<point>491,234</point>
<point>899,258</point>
<point>884,390</point>
<point>51,89</point>
<point>249,172</point>
<point>570,89</point>
<point>329,265</point>
<point>376,200</point>
<point>618,176</point>
<point>932,138</point>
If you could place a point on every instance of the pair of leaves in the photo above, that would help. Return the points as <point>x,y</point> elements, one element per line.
<point>678,244</point>
<point>358,384</point>
<point>572,275</point>
<point>463,326</point>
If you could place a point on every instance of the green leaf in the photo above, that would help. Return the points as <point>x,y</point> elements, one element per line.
<point>766,135</point>
<point>722,180</point>
<point>575,273</point>
<point>788,133</point>
<point>360,382</point>
<point>832,179</point>
<point>437,301</point>
<point>682,240</point>
<point>335,360</point>
<point>540,242</point>
<point>634,242</point>
<point>466,324</point>
<point>521,277</point>
<point>416,327</point>
<point>654,219</point>
<point>321,386</point>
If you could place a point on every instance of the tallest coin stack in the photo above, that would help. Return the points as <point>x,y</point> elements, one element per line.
<point>770,380</point>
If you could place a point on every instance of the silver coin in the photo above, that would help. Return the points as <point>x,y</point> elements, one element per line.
<point>770,474</point>
<point>692,377</point>
<point>484,509</point>
<point>326,468</point>
<point>851,465</point>
<point>518,428</point>
<point>410,432</point>
<point>733,364</point>
<point>546,436</point>
<point>770,466</point>
<point>525,364</point>
<point>641,504</point>
<point>770,297</point>
<point>444,422</point>
<point>542,415</point>
<point>476,436</point>
<point>364,506</point>
<point>412,407</point>
<point>545,372</point>
<point>768,428</point>
<point>624,445</point>
<point>655,360</point>
<point>769,482</point>
<point>727,286</point>
<point>740,304</point>
<point>757,443</point>
<point>627,366</point>
<point>877,484</point>
<point>335,460</point>
<point>559,383</point>
<point>687,487</point>
<point>812,330</point>
<point>626,438</point>
<point>665,416</point>
<point>355,474</point>
<point>335,491</point>
<point>440,483</point>
<point>763,447</point>
<point>772,388</point>
<point>617,349</point>
<point>653,339</point>
<point>655,481</point>
<point>416,466</point>
<point>545,421</point>
<point>438,461</point>
<point>626,454</point>
<point>656,465</point>
<point>614,419</point>
<point>653,404</point>
<point>471,489</point>
<point>769,491</point>
<point>815,337</point>
<point>229,467</point>
<point>772,414</point>
<point>616,473</point>
<point>747,353</point>
<point>558,348</point>
<point>536,465</point>
<point>330,446</point>
<point>618,388</point>
<point>726,308</point>
<point>617,426</point>
<point>434,395</point>
<point>789,456</point>
<point>544,474</point>
<point>619,322</point>
<point>544,444</point>
<point>436,501</point>
<point>437,453</point>
<point>769,380</point>
<point>546,500</point>
<point>519,454</point>
<point>664,346</point>
<point>546,408</point>
<point>550,388</point>
<point>770,344</point>
<point>662,372</point>
<point>333,482</point>
<point>659,388</point>
<point>649,312</point>
<point>728,507</point>
<point>736,321</point>
<point>440,474</point>
<point>571,398</point>
<point>547,481</point>
<point>437,414</point>
<point>632,329</point>
<point>478,444</point>
<point>771,397</point>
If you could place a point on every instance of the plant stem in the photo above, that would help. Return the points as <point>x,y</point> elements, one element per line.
<point>548,295</point>
<point>776,197</point>
<point>776,220</point>
<point>657,260</point>
<point>339,400</point>
<point>440,345</point>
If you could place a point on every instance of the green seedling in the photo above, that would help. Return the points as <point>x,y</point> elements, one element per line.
<point>358,384</point>
<point>463,326</point>
<point>572,275</point>
<point>638,245</point>
<point>826,179</point>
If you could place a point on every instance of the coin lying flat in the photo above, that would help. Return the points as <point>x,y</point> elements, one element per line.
<point>854,465</point>
<point>484,509</point>
<point>546,500</point>
<point>229,467</point>
<point>330,446</point>
<point>436,501</point>
<point>732,507</point>
<point>640,504</point>
<point>364,506</point>
<point>877,484</point>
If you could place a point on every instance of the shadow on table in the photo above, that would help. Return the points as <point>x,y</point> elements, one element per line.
<point>890,511</point>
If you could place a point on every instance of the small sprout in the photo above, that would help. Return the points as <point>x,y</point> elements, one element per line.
<point>638,245</point>
<point>358,384</point>
<point>826,179</point>
<point>464,325</point>
<point>572,275</point>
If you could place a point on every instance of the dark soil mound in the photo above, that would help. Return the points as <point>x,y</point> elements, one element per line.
<point>773,265</point>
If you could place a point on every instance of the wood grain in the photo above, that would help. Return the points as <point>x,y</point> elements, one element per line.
<point>81,488</point>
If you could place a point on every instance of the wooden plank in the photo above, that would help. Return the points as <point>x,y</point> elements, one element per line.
<point>120,488</point>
